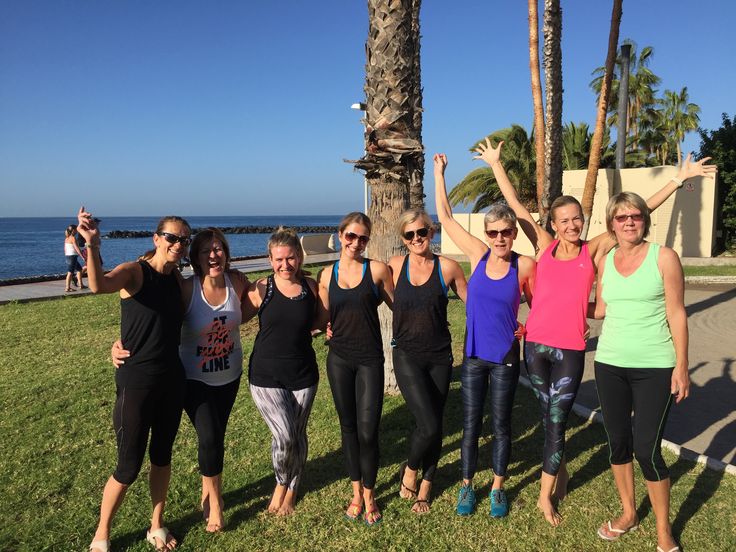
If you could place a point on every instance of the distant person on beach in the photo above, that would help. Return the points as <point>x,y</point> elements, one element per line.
<point>557,329</point>
<point>422,353</point>
<point>212,355</point>
<point>499,276</point>
<point>282,371</point>
<point>72,254</point>
<point>352,289</point>
<point>150,385</point>
<point>641,362</point>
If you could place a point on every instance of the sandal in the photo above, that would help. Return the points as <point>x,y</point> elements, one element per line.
<point>412,492</point>
<point>673,549</point>
<point>163,534</point>
<point>613,533</point>
<point>420,501</point>
<point>372,516</point>
<point>354,510</point>
<point>101,545</point>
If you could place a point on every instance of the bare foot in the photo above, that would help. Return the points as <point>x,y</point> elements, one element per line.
<point>215,519</point>
<point>550,513</point>
<point>276,499</point>
<point>421,504</point>
<point>288,504</point>
<point>563,477</point>
<point>408,479</point>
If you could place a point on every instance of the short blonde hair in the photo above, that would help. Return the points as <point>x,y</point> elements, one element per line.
<point>411,215</point>
<point>627,199</point>
<point>500,211</point>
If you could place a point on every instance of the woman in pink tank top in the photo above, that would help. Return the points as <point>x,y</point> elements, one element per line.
<point>554,351</point>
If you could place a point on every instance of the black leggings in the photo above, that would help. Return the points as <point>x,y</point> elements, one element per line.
<point>137,411</point>
<point>208,407</point>
<point>424,381</point>
<point>358,393</point>
<point>646,391</point>
<point>555,375</point>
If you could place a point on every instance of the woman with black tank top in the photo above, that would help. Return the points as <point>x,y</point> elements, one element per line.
<point>283,368</point>
<point>150,388</point>
<point>422,351</point>
<point>352,289</point>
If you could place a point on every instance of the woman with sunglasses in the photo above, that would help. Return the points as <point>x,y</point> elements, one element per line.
<point>352,289</point>
<point>492,353</point>
<point>212,355</point>
<point>422,352</point>
<point>150,388</point>
<point>556,328</point>
<point>641,362</point>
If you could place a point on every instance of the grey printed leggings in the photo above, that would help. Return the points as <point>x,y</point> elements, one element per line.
<point>286,413</point>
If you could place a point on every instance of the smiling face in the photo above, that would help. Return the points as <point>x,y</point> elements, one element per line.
<point>212,258</point>
<point>628,224</point>
<point>172,232</point>
<point>284,261</point>
<point>567,222</point>
<point>354,239</point>
<point>417,236</point>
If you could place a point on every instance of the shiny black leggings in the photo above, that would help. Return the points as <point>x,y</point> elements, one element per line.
<point>424,381</point>
<point>357,390</point>
<point>555,375</point>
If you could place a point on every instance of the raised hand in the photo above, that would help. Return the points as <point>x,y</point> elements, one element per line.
<point>691,169</point>
<point>488,153</point>
<point>440,162</point>
<point>87,226</point>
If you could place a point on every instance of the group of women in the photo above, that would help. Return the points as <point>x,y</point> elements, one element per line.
<point>180,350</point>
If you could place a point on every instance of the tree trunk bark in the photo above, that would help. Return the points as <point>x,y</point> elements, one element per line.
<point>594,161</point>
<point>537,100</point>
<point>553,114</point>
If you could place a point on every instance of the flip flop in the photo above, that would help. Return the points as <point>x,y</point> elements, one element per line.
<point>101,545</point>
<point>161,533</point>
<point>420,501</point>
<point>615,532</point>
<point>354,510</point>
<point>412,492</point>
<point>370,512</point>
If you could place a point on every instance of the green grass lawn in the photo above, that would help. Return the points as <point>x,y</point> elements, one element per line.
<point>57,449</point>
<point>709,270</point>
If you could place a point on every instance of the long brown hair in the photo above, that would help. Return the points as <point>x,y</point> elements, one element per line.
<point>355,216</point>
<point>160,228</point>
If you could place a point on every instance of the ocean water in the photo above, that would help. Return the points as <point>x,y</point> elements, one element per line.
<point>35,246</point>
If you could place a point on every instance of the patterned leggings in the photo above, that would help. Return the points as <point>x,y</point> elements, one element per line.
<point>555,375</point>
<point>286,413</point>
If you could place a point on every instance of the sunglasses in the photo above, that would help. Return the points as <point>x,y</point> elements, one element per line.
<point>173,238</point>
<point>506,233</point>
<point>420,232</point>
<point>352,236</point>
<point>636,217</point>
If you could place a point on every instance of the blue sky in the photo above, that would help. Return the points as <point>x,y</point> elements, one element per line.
<point>243,107</point>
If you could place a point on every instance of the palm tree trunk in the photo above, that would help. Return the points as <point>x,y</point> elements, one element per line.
<point>537,99</point>
<point>594,162</point>
<point>416,177</point>
<point>553,114</point>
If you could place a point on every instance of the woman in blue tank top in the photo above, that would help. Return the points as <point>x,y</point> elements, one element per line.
<point>498,277</point>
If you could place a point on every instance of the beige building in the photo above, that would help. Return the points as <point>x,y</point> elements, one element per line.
<point>685,222</point>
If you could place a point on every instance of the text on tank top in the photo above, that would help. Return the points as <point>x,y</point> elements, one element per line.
<point>210,348</point>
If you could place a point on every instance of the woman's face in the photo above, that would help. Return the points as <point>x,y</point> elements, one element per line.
<point>354,239</point>
<point>628,224</point>
<point>284,261</point>
<point>567,222</point>
<point>417,237</point>
<point>172,242</point>
<point>212,259</point>
<point>500,235</point>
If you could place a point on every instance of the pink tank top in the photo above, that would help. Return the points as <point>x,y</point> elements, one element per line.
<point>561,294</point>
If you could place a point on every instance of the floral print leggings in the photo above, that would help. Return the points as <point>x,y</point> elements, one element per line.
<point>555,375</point>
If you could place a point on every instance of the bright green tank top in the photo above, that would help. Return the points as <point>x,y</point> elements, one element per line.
<point>635,332</point>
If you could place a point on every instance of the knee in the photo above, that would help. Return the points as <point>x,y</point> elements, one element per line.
<point>126,474</point>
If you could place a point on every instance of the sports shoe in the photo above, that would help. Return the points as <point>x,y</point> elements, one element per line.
<point>499,503</point>
<point>465,500</point>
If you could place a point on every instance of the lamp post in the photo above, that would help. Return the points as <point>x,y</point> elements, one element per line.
<point>362,107</point>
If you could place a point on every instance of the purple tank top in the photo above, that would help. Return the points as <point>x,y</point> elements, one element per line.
<point>491,310</point>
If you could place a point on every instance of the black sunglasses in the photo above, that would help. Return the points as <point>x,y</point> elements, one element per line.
<point>420,232</point>
<point>352,236</point>
<point>173,238</point>
<point>506,233</point>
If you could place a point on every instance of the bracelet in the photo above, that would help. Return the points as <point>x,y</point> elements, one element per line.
<point>677,181</point>
<point>92,245</point>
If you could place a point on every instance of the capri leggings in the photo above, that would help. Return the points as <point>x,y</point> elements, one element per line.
<point>646,391</point>
<point>136,413</point>
<point>555,375</point>
<point>424,381</point>
<point>286,413</point>
<point>476,376</point>
<point>357,390</point>
<point>208,407</point>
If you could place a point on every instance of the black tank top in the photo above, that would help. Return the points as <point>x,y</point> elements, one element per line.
<point>420,312</point>
<point>282,355</point>
<point>150,328</point>
<point>356,332</point>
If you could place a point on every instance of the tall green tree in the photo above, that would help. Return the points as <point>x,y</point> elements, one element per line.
<point>680,115</point>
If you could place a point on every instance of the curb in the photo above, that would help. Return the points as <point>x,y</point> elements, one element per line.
<point>682,452</point>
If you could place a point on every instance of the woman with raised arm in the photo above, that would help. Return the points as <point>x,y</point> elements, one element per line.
<point>641,362</point>
<point>283,368</point>
<point>492,353</point>
<point>150,388</point>
<point>352,289</point>
<point>72,254</point>
<point>422,351</point>
<point>556,328</point>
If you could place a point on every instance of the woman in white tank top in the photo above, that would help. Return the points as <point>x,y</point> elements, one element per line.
<point>71,252</point>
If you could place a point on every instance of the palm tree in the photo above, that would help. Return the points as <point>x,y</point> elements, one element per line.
<point>681,116</point>
<point>552,28</point>
<point>537,100</point>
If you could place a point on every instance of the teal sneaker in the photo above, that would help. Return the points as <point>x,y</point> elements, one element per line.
<point>499,504</point>
<point>465,500</point>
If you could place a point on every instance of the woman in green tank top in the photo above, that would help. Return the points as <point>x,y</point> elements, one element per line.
<point>641,360</point>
